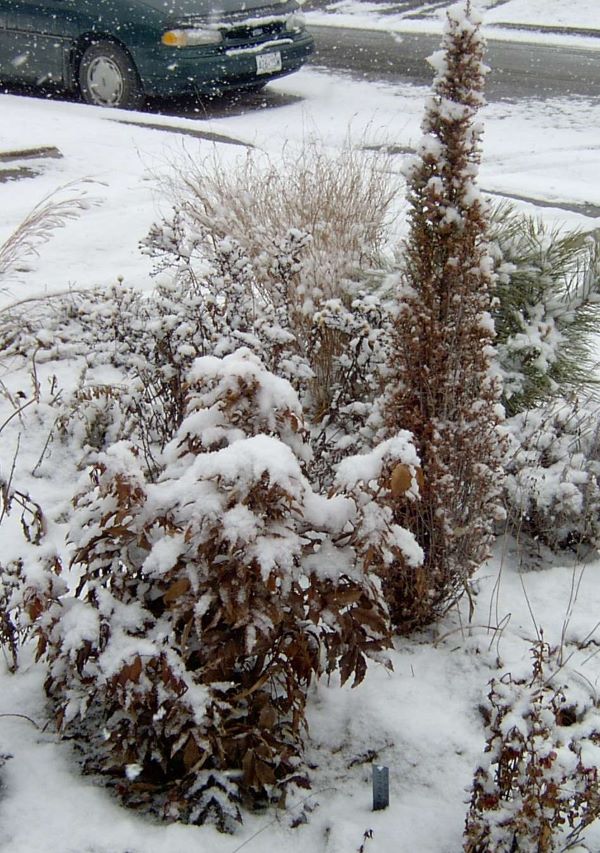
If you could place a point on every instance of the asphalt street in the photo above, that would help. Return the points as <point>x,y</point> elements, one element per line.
<point>518,70</point>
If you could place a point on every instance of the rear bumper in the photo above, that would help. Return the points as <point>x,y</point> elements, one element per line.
<point>166,72</point>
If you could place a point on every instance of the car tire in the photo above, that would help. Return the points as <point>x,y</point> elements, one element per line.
<point>108,78</point>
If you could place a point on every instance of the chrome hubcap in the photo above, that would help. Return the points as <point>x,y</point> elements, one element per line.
<point>105,81</point>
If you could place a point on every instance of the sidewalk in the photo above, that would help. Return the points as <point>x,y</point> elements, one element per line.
<point>413,16</point>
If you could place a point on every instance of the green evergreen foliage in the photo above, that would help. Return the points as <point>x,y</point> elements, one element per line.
<point>548,307</point>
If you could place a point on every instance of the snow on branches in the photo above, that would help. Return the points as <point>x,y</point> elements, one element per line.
<point>30,580</point>
<point>546,315</point>
<point>552,483</point>
<point>207,602</point>
<point>291,260</point>
<point>441,385</point>
<point>537,788</point>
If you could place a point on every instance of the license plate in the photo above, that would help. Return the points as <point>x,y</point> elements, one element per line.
<point>268,63</point>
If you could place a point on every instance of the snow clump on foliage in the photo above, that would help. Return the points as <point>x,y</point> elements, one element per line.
<point>210,596</point>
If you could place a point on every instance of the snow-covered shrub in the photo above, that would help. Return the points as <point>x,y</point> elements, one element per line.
<point>538,787</point>
<point>440,384</point>
<point>93,419</point>
<point>207,602</point>
<point>30,580</point>
<point>342,200</point>
<point>552,484</point>
<point>303,242</point>
<point>347,419</point>
<point>548,307</point>
<point>379,481</point>
<point>332,355</point>
<point>52,212</point>
<point>102,325</point>
<point>153,340</point>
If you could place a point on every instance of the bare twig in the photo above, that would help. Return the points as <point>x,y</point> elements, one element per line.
<point>276,819</point>
<point>23,717</point>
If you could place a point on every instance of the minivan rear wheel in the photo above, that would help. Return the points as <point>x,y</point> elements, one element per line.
<point>108,77</point>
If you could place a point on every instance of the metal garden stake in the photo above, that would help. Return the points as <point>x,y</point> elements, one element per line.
<point>381,787</point>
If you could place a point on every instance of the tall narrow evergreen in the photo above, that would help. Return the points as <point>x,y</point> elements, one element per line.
<point>442,388</point>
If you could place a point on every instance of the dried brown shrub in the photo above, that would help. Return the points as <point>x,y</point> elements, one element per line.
<point>183,662</point>
<point>538,787</point>
<point>441,386</point>
<point>29,584</point>
<point>307,237</point>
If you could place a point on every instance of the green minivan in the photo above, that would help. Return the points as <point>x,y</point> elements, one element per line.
<point>117,52</point>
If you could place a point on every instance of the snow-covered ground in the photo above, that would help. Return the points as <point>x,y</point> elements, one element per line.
<point>546,150</point>
<point>541,13</point>
<point>422,720</point>
<point>551,13</point>
<point>500,17</point>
